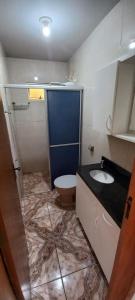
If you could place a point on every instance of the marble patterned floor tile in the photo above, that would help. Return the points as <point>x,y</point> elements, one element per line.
<point>67,221</point>
<point>43,221</point>
<point>49,291</point>
<point>30,201</point>
<point>41,227</point>
<point>55,241</point>
<point>53,208</point>
<point>42,211</point>
<point>56,220</point>
<point>74,255</point>
<point>41,187</point>
<point>34,244</point>
<point>87,284</point>
<point>38,209</point>
<point>72,249</point>
<point>43,259</point>
<point>30,180</point>
<point>43,262</point>
<point>51,196</point>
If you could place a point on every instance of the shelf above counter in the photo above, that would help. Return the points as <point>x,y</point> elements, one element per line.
<point>126,137</point>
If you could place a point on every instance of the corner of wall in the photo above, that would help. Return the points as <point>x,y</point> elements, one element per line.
<point>3,67</point>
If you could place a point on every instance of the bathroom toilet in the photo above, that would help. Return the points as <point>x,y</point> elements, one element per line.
<point>66,187</point>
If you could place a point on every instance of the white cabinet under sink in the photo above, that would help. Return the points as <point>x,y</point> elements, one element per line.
<point>100,228</point>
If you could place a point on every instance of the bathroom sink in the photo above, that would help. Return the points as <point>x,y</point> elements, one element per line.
<point>101,176</point>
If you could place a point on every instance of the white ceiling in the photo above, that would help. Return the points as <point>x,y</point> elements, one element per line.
<point>73,20</point>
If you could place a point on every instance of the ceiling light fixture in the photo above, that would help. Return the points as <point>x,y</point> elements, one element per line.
<point>132,44</point>
<point>46,21</point>
<point>36,78</point>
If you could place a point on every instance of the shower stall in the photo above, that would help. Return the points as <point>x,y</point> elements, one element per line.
<point>44,126</point>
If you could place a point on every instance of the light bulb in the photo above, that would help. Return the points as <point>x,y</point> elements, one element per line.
<point>36,78</point>
<point>46,30</point>
<point>132,45</point>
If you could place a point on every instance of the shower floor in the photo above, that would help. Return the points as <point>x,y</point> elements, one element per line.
<point>62,264</point>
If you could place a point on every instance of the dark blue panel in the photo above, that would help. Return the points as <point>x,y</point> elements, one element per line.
<point>63,116</point>
<point>64,160</point>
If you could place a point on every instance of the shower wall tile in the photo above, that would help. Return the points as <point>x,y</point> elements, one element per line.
<point>21,116</point>
<point>18,96</point>
<point>34,133</point>
<point>36,112</point>
<point>35,155</point>
<point>31,131</point>
<point>23,71</point>
<point>33,145</point>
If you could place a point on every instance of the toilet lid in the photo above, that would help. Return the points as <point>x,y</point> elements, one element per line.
<point>65,182</point>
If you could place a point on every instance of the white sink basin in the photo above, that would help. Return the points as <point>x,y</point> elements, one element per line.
<point>101,176</point>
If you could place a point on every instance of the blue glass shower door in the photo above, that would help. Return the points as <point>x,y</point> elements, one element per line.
<point>64,131</point>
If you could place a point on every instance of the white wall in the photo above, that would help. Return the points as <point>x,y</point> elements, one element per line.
<point>101,48</point>
<point>30,130</point>
<point>24,70</point>
<point>31,124</point>
<point>9,117</point>
<point>31,136</point>
<point>3,70</point>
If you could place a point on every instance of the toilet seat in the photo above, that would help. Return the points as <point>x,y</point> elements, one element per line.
<point>65,182</point>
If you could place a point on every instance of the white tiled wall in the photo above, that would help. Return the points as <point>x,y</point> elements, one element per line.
<point>31,136</point>
<point>24,70</point>
<point>31,124</point>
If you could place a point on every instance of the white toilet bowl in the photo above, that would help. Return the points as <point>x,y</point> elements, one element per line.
<point>66,187</point>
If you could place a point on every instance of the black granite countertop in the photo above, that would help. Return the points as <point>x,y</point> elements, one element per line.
<point>112,196</point>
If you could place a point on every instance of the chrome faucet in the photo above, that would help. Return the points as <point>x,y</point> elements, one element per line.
<point>102,163</point>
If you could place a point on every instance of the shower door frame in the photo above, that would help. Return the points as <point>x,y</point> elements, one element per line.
<point>13,143</point>
<point>46,88</point>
